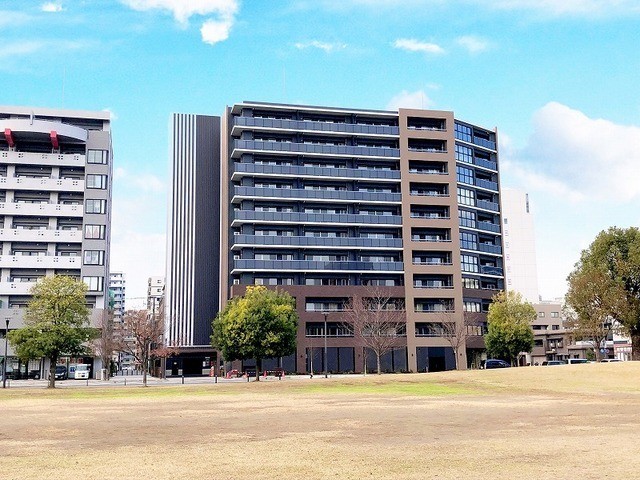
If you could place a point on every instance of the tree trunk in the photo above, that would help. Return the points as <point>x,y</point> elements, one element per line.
<point>144,371</point>
<point>52,372</point>
<point>258,368</point>
<point>635,343</point>
<point>378,363</point>
<point>455,358</point>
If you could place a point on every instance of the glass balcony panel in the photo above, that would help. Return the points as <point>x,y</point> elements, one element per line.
<point>297,193</point>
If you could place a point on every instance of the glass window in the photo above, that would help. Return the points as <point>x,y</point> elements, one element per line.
<point>467,219</point>
<point>463,132</point>
<point>97,156</point>
<point>466,197</point>
<point>95,206</point>
<point>464,154</point>
<point>96,181</point>
<point>465,175</point>
<point>555,314</point>
<point>468,241</point>
<point>471,307</point>
<point>470,283</point>
<point>469,263</point>
<point>540,314</point>
<point>94,284</point>
<point>95,232</point>
<point>94,257</point>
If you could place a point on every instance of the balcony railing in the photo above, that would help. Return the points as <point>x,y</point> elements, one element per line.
<point>481,162</point>
<point>489,185</point>
<point>489,248</point>
<point>305,265</point>
<point>489,227</point>
<point>42,209</point>
<point>484,143</point>
<point>315,149</point>
<point>314,126</point>
<point>326,195</point>
<point>298,241</point>
<point>301,171</point>
<point>430,238</point>
<point>43,158</point>
<point>295,217</point>
<point>488,270</point>
<point>486,205</point>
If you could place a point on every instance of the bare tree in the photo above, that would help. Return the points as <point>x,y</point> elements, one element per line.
<point>108,342</point>
<point>378,323</point>
<point>144,339</point>
<point>457,332</point>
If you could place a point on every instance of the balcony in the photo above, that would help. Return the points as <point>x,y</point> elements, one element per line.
<point>313,172</point>
<point>53,159</point>
<point>40,261</point>
<point>488,164</point>
<point>320,195</point>
<point>431,284</point>
<point>489,270</point>
<point>16,288</point>
<point>484,143</point>
<point>40,235</point>
<point>313,126</point>
<point>41,209</point>
<point>323,242</point>
<point>42,183</point>
<point>484,204</point>
<point>488,227</point>
<point>249,216</point>
<point>489,185</point>
<point>489,248</point>
<point>316,266</point>
<point>240,146</point>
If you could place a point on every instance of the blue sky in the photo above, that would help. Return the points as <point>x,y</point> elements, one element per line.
<point>558,78</point>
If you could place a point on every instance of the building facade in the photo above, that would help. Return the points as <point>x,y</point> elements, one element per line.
<point>193,242</point>
<point>332,203</point>
<point>55,205</point>
<point>521,271</point>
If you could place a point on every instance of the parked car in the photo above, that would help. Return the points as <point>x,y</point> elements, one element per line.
<point>61,372</point>
<point>552,363</point>
<point>573,361</point>
<point>34,374</point>
<point>609,360</point>
<point>495,363</point>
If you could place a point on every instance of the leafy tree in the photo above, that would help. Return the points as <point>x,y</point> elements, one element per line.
<point>378,323</point>
<point>56,322</point>
<point>261,324</point>
<point>616,252</point>
<point>509,327</point>
<point>593,302</point>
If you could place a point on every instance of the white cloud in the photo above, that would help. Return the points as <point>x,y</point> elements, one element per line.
<point>406,99</point>
<point>51,7</point>
<point>413,45</point>
<point>139,182</point>
<point>30,47</point>
<point>213,30</point>
<point>594,156</point>
<point>473,44</point>
<point>326,47</point>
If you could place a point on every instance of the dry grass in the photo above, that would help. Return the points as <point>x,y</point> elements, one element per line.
<point>579,421</point>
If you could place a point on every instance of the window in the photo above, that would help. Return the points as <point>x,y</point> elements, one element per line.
<point>471,307</point>
<point>273,281</point>
<point>469,263</point>
<point>470,283</point>
<point>94,284</point>
<point>468,241</point>
<point>555,314</point>
<point>95,232</point>
<point>464,154</point>
<point>97,156</point>
<point>466,197</point>
<point>555,327</point>
<point>541,314</point>
<point>273,256</point>
<point>465,175</point>
<point>95,206</point>
<point>467,219</point>
<point>463,132</point>
<point>94,257</point>
<point>326,281</point>
<point>97,181</point>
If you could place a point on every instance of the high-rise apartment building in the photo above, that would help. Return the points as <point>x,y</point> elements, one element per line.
<point>155,294</point>
<point>333,203</point>
<point>117,295</point>
<point>55,203</point>
<point>521,270</point>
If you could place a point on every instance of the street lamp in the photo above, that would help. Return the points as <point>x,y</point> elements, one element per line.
<point>6,347</point>
<point>325,346</point>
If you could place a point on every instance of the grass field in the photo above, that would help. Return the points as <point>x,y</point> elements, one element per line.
<point>569,422</point>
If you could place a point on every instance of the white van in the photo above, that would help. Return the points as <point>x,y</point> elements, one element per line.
<point>82,371</point>
<point>577,360</point>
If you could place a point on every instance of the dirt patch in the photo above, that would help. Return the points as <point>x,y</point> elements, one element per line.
<point>522,423</point>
